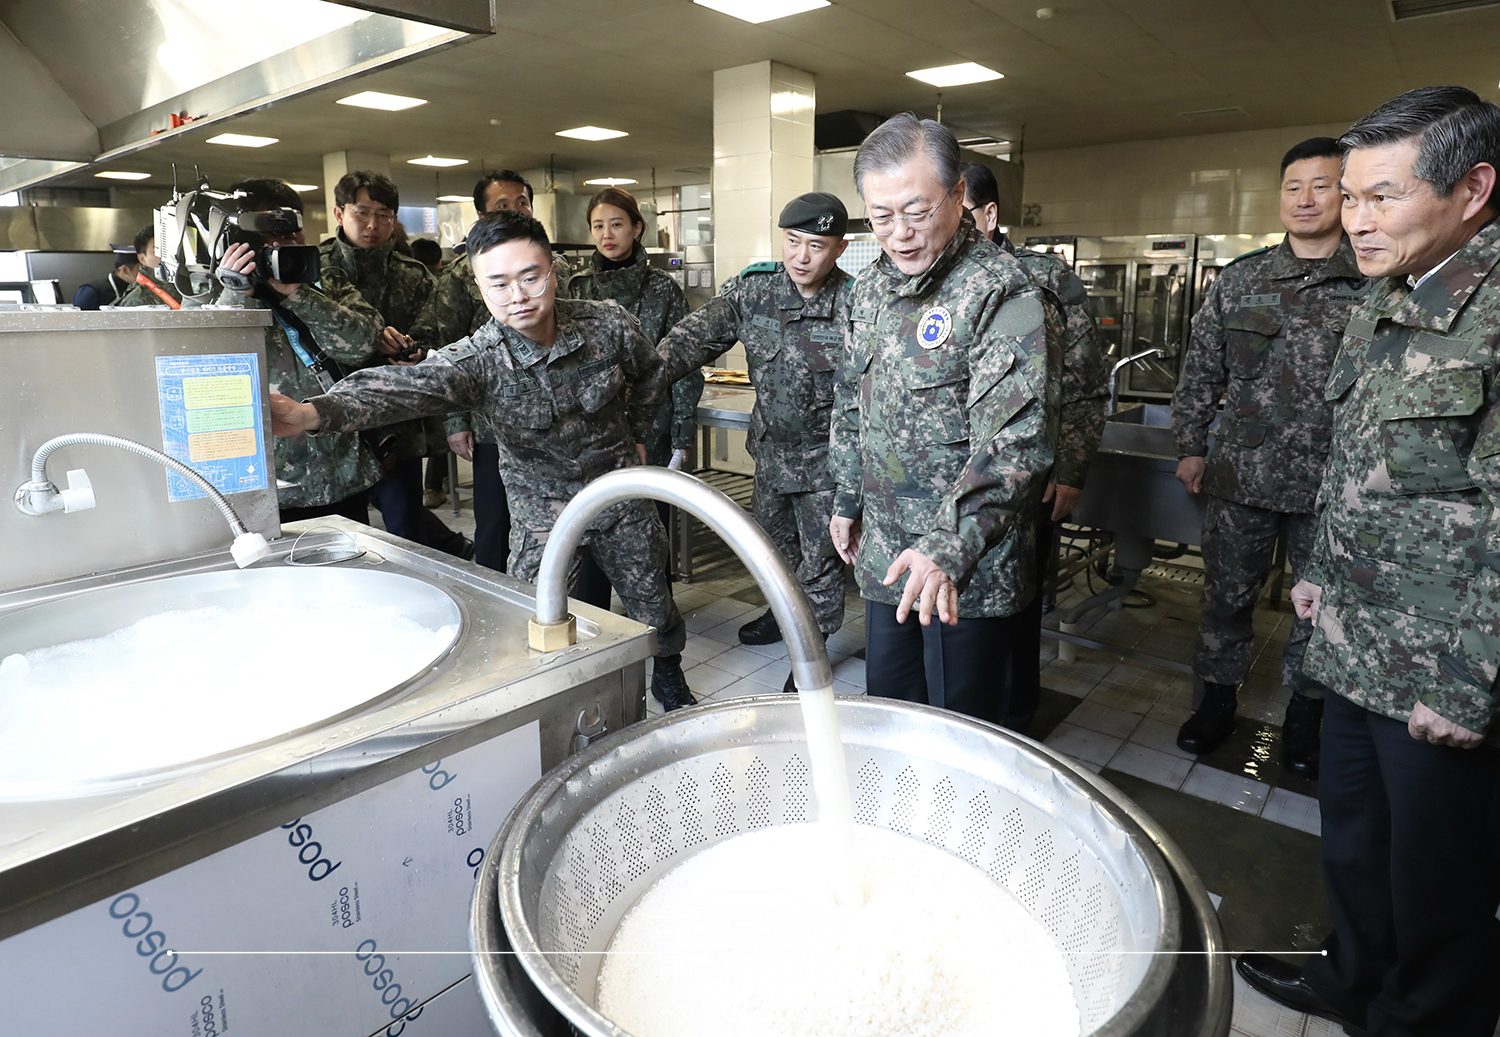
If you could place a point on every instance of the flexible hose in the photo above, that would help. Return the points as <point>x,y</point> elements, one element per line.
<point>39,467</point>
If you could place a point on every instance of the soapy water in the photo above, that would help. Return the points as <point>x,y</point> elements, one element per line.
<point>745,939</point>
<point>183,685</point>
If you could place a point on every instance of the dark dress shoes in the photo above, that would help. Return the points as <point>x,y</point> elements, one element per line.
<point>1283,983</point>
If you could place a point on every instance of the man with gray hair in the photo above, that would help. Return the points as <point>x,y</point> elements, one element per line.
<point>1404,588</point>
<point>943,428</point>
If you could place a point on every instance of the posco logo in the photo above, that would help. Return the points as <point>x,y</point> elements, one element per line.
<point>151,943</point>
<point>209,1020</point>
<point>309,852</point>
<point>436,776</point>
<point>383,980</point>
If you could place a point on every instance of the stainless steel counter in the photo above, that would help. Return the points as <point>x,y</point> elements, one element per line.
<point>60,854</point>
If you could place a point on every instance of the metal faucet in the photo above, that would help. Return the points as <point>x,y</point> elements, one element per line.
<point>1114,373</point>
<point>41,495</point>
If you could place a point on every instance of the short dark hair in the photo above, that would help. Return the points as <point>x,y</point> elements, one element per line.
<point>980,185</point>
<point>265,192</point>
<point>378,186</point>
<point>1312,147</point>
<point>143,237</point>
<point>427,252</point>
<point>620,199</point>
<point>900,137</point>
<point>1454,129</point>
<point>499,176</point>
<point>496,228</point>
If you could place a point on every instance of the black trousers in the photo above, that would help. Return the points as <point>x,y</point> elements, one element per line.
<point>1411,857</point>
<point>491,509</point>
<point>356,506</point>
<point>1021,674</point>
<point>950,667</point>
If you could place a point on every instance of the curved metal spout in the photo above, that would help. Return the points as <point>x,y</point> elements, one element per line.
<point>788,603</point>
<point>1120,365</point>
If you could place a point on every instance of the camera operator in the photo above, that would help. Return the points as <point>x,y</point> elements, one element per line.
<point>336,330</point>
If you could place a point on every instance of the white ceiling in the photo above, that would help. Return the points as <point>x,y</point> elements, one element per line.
<point>1096,71</point>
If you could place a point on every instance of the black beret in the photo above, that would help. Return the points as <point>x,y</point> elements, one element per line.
<point>818,213</point>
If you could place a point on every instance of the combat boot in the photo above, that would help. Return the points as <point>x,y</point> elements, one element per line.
<point>669,685</point>
<point>761,630</point>
<point>1205,730</point>
<point>1301,735</point>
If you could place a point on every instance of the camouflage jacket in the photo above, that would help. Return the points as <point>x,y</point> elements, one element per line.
<point>398,286</point>
<point>1408,545</point>
<point>140,295</point>
<point>654,299</point>
<point>944,421</point>
<point>321,469</point>
<point>1265,338</point>
<point>456,310</point>
<point>562,416</point>
<point>1084,378</point>
<point>793,346</point>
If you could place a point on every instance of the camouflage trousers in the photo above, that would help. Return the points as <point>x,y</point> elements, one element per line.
<point>797,524</point>
<point>1239,545</point>
<point>632,551</point>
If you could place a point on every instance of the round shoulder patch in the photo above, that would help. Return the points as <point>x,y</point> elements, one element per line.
<point>934,327</point>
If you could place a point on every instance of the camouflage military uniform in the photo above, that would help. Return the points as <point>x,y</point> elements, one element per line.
<point>656,301</point>
<point>322,469</point>
<point>141,295</point>
<point>563,417</point>
<point>1265,337</point>
<point>793,346</point>
<point>1407,531</point>
<point>941,446</point>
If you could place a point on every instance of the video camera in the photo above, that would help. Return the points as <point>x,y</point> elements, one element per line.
<point>195,229</point>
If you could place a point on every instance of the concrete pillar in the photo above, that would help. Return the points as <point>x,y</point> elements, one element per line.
<point>336,164</point>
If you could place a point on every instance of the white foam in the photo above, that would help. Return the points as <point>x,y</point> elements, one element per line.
<point>186,684</point>
<point>741,941</point>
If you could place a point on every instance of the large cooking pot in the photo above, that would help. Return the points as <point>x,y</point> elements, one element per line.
<point>596,832</point>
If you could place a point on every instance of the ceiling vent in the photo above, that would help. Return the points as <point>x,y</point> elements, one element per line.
<point>1214,114</point>
<point>1401,10</point>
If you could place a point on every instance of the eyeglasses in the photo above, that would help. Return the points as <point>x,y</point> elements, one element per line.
<point>363,215</point>
<point>914,220</point>
<point>531,286</point>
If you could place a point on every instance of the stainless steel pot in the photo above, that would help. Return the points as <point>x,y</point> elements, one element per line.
<point>598,830</point>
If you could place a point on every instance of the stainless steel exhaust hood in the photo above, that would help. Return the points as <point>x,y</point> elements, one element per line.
<point>89,81</point>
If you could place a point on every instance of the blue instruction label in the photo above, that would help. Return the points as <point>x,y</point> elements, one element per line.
<point>210,420</point>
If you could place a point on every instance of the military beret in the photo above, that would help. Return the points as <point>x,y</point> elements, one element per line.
<point>817,212</point>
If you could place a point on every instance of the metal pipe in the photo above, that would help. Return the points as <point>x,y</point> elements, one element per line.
<point>1114,373</point>
<point>784,595</point>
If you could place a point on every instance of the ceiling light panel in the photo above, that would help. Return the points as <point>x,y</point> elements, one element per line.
<point>303,188</point>
<point>121,174</point>
<point>961,74</point>
<point>454,198</point>
<point>757,11</point>
<point>383,102</point>
<point>592,133</point>
<point>611,181</point>
<point>433,160</point>
<point>242,140</point>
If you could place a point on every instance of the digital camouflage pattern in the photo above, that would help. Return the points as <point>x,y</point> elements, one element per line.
<point>141,295</point>
<point>1408,543</point>
<point>1265,339</point>
<point>563,417</point>
<point>1239,548</point>
<point>398,286</point>
<point>1084,378</point>
<point>326,468</point>
<point>456,310</point>
<point>653,298</point>
<point>942,445</point>
<point>793,346</point>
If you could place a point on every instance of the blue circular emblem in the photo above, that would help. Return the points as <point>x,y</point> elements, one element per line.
<point>933,328</point>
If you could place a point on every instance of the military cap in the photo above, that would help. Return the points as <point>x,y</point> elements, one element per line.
<point>817,212</point>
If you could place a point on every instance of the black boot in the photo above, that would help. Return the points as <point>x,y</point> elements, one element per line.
<point>1206,729</point>
<point>1301,735</point>
<point>668,684</point>
<point>761,631</point>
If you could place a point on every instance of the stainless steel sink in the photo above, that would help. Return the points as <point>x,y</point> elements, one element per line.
<point>1132,487</point>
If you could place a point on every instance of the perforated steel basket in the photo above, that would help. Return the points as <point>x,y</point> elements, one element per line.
<point>596,832</point>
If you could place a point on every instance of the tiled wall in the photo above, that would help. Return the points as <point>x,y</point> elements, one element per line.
<point>1219,183</point>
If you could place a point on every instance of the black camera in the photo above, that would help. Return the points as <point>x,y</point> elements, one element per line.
<point>289,264</point>
<point>195,230</point>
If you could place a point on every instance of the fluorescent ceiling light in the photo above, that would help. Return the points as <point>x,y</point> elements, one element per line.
<point>757,11</point>
<point>433,161</point>
<point>592,133</point>
<point>454,198</point>
<point>611,181</point>
<point>242,140</point>
<point>303,188</point>
<point>120,174</point>
<point>961,74</point>
<point>705,219</point>
<point>384,102</point>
